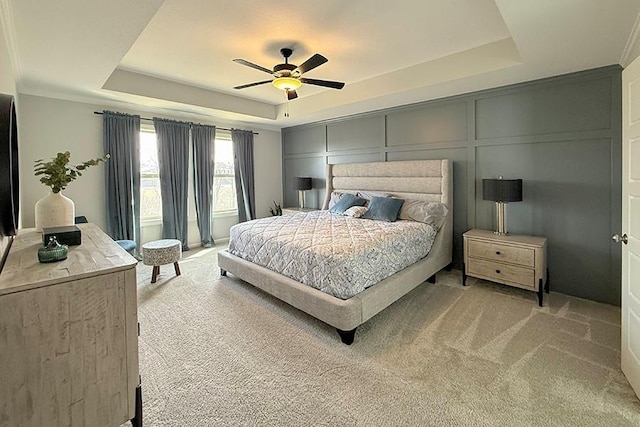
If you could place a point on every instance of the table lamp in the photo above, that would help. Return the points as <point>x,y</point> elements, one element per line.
<point>303,184</point>
<point>501,191</point>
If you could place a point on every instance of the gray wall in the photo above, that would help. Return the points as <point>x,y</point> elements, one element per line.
<point>561,135</point>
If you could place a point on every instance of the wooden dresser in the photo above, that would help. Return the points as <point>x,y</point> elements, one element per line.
<point>513,260</point>
<point>69,335</point>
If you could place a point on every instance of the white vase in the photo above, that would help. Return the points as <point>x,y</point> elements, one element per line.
<point>54,210</point>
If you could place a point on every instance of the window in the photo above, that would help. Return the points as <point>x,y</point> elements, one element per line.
<point>224,184</point>
<point>150,199</point>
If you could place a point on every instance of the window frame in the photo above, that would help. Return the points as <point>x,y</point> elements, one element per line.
<point>150,220</point>
<point>226,212</point>
<point>157,220</point>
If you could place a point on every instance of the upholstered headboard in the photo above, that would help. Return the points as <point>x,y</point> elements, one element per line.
<point>430,180</point>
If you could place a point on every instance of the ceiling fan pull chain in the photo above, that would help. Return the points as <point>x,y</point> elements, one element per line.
<point>286,108</point>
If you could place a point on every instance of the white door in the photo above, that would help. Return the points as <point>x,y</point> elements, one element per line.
<point>631,224</point>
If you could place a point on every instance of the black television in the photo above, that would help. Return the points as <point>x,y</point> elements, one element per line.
<point>9,173</point>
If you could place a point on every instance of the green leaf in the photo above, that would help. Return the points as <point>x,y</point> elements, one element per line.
<point>57,173</point>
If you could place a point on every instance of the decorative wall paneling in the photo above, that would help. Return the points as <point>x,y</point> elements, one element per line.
<point>561,135</point>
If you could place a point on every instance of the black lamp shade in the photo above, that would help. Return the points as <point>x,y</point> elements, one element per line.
<point>303,183</point>
<point>502,190</point>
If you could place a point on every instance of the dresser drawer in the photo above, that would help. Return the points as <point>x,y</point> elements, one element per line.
<point>504,253</point>
<point>499,272</point>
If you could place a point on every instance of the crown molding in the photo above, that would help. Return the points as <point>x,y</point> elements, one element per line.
<point>6,17</point>
<point>632,48</point>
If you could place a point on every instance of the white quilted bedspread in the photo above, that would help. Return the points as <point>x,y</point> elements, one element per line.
<point>339,255</point>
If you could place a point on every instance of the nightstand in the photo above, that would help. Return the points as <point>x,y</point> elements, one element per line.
<point>519,261</point>
<point>295,210</point>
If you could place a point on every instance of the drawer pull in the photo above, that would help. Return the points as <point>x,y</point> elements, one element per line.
<point>497,252</point>
<point>498,271</point>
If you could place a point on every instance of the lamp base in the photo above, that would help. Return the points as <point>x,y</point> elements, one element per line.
<point>501,219</point>
<point>301,198</point>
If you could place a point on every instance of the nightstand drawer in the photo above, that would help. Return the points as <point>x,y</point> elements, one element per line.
<point>504,253</point>
<point>502,272</point>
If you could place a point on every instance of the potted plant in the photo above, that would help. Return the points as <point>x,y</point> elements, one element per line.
<point>276,210</point>
<point>55,209</point>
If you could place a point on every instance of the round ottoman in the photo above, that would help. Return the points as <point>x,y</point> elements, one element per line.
<point>161,252</point>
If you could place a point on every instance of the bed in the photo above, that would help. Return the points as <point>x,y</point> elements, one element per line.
<point>426,180</point>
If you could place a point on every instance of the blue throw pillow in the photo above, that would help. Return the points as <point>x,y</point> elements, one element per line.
<point>384,209</point>
<point>346,202</point>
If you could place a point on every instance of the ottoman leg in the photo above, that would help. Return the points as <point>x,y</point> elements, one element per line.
<point>154,274</point>
<point>177,267</point>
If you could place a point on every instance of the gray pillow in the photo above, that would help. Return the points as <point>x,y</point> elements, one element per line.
<point>336,196</point>
<point>346,202</point>
<point>368,195</point>
<point>384,209</point>
<point>432,213</point>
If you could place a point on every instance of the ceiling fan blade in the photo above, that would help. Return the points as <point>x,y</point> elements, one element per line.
<point>291,94</point>
<point>325,83</point>
<point>252,65</point>
<point>252,84</point>
<point>311,63</point>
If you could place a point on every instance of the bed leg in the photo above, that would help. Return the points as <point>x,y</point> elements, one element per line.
<point>223,272</point>
<point>448,267</point>
<point>347,337</point>
<point>432,279</point>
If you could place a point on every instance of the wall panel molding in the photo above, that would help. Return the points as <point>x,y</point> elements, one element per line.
<point>562,135</point>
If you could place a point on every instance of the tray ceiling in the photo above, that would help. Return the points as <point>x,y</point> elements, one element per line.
<point>176,55</point>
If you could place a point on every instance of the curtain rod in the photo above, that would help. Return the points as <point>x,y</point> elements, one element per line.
<point>145,118</point>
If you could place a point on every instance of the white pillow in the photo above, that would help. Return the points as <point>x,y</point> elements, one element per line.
<point>433,213</point>
<point>356,211</point>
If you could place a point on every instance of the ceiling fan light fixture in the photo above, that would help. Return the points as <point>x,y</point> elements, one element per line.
<point>287,83</point>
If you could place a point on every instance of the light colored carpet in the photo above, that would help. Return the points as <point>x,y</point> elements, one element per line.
<point>217,352</point>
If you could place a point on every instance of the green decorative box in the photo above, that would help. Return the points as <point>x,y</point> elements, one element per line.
<point>53,252</point>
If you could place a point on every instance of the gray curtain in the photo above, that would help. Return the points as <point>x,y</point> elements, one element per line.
<point>121,136</point>
<point>243,163</point>
<point>173,159</point>
<point>203,137</point>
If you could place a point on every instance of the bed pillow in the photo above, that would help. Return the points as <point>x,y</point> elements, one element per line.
<point>384,209</point>
<point>371,194</point>
<point>346,202</point>
<point>355,211</point>
<point>336,196</point>
<point>432,213</point>
<point>368,195</point>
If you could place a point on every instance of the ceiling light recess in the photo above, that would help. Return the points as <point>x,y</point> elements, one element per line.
<point>287,83</point>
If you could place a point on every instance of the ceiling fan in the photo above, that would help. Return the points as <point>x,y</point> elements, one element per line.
<point>288,77</point>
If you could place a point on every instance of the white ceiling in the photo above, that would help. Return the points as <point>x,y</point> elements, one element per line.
<point>175,56</point>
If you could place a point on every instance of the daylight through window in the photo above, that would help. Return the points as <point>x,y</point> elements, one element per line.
<point>150,199</point>
<point>224,184</point>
